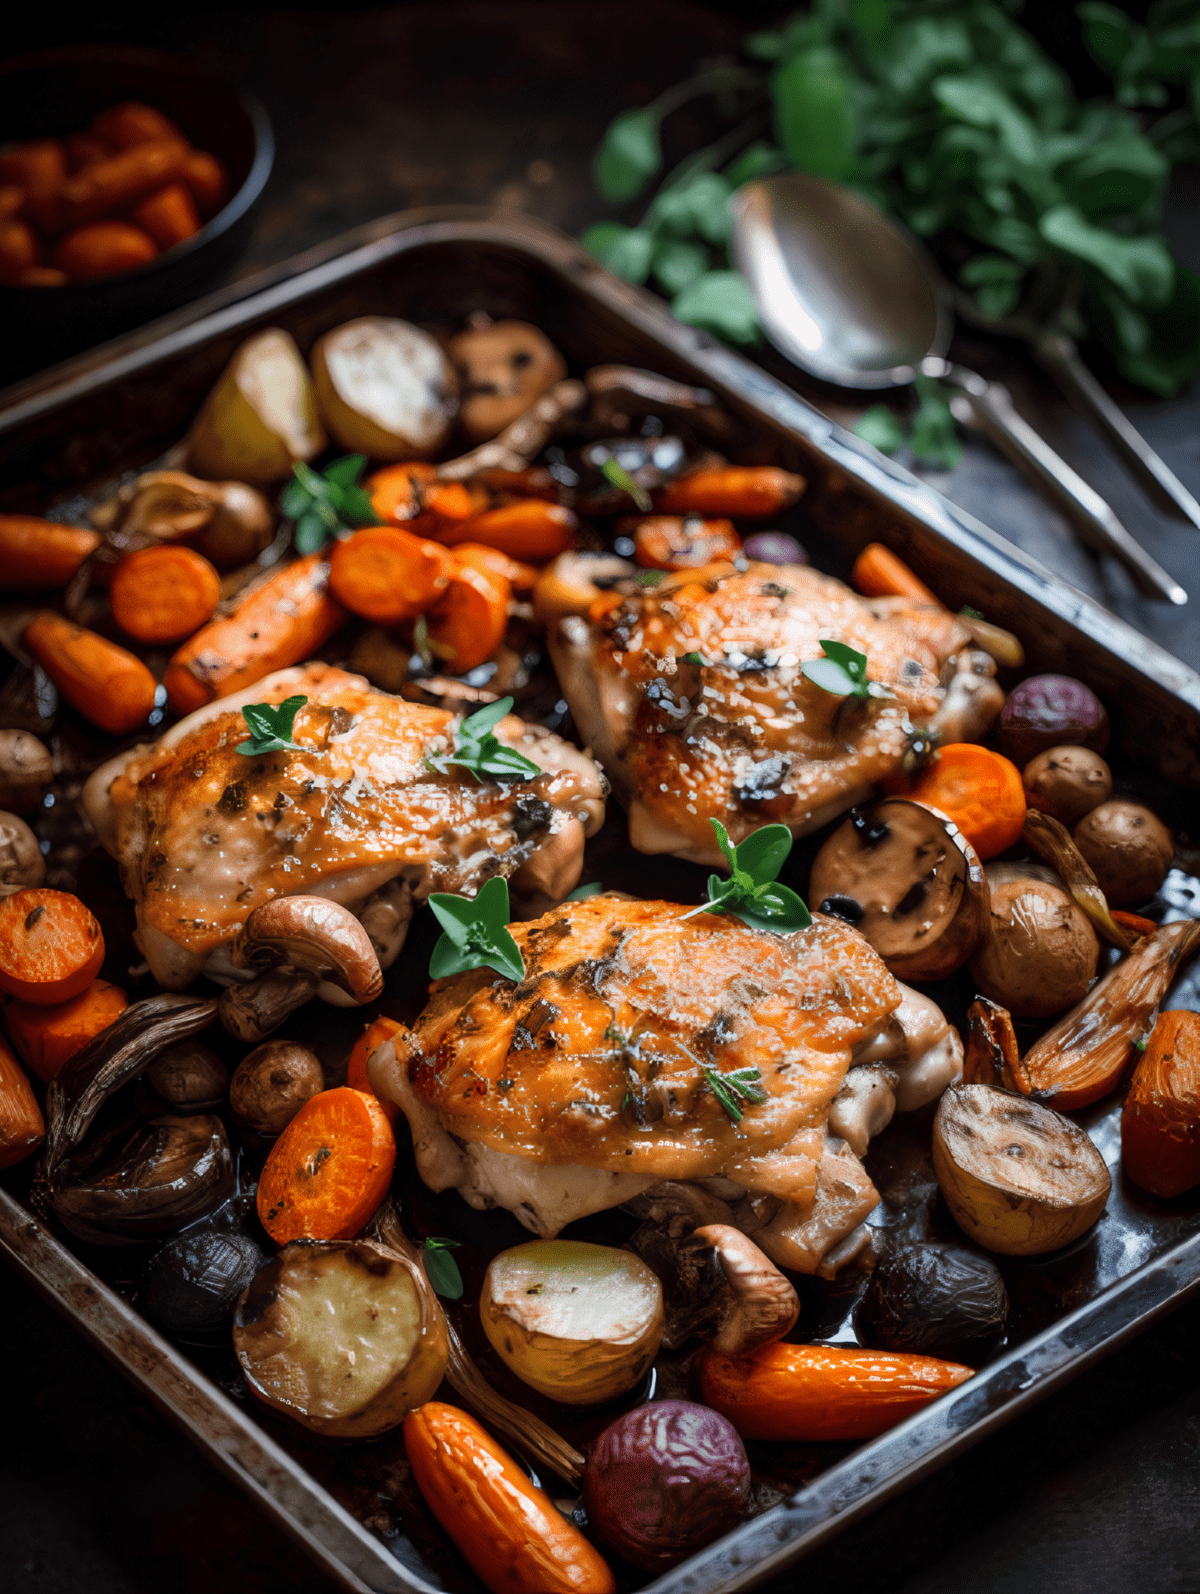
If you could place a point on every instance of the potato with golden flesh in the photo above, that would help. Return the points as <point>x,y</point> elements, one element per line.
<point>385,388</point>
<point>260,418</point>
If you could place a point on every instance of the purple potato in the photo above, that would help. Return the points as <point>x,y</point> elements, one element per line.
<point>664,1480</point>
<point>1050,711</point>
<point>774,548</point>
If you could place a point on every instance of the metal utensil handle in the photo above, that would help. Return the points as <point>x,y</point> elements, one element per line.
<point>990,406</point>
<point>1057,354</point>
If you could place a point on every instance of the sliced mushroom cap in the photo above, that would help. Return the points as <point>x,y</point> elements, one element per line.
<point>908,880</point>
<point>316,935</point>
<point>21,863</point>
<point>763,1306</point>
<point>502,368</point>
<point>26,771</point>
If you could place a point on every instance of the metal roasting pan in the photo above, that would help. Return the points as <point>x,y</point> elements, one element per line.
<point>119,406</point>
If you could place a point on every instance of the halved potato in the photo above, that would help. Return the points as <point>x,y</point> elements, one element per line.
<point>385,388</point>
<point>345,1336</point>
<point>260,418</point>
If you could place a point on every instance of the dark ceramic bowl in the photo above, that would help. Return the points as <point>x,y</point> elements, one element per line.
<point>57,92</point>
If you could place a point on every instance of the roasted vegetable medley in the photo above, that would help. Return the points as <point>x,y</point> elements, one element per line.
<point>481,909</point>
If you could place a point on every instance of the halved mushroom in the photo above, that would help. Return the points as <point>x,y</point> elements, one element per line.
<point>21,862</point>
<point>908,880</point>
<point>314,936</point>
<point>761,1304</point>
<point>190,1076</point>
<point>26,770</point>
<point>229,522</point>
<point>502,366</point>
<point>1040,953</point>
<point>272,1083</point>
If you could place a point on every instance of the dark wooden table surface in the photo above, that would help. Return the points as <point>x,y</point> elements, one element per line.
<point>375,110</point>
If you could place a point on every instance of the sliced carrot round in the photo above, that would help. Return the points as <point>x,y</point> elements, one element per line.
<point>329,1169</point>
<point>980,790</point>
<point>51,946</point>
<point>683,542</point>
<point>387,575</point>
<point>397,491</point>
<point>163,594</point>
<point>469,622</point>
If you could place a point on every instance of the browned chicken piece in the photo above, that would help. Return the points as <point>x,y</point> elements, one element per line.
<point>354,814</point>
<point>691,696</point>
<point>600,1074</point>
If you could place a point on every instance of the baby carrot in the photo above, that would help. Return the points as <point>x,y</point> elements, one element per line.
<point>84,148</point>
<point>878,573</point>
<point>37,553</point>
<point>356,1068</point>
<point>105,683</point>
<point>329,1169</point>
<point>18,249</point>
<point>132,123</point>
<point>469,622</point>
<point>743,492</point>
<point>530,529</point>
<point>163,594</point>
<point>47,1037</point>
<point>51,946</point>
<point>281,622</point>
<point>168,215</point>
<point>388,575</point>
<point>22,1127</point>
<point>123,179</point>
<point>798,1394</point>
<point>683,542</point>
<point>520,576</point>
<point>39,168</point>
<point>208,181</point>
<point>506,1529</point>
<point>981,791</point>
<point>103,249</point>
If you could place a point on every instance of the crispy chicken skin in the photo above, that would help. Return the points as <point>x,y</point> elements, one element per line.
<point>692,697</point>
<point>204,835</point>
<point>591,1080</point>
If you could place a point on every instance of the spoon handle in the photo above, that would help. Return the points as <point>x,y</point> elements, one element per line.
<point>1058,354</point>
<point>989,406</point>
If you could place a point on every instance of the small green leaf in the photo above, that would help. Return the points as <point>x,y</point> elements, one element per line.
<point>270,727</point>
<point>694,657</point>
<point>312,533</point>
<point>626,251</point>
<point>752,893</point>
<point>326,506</point>
<point>1142,268</point>
<point>629,156</point>
<point>346,471</point>
<point>764,852</point>
<point>934,433</point>
<point>880,426</point>
<point>620,477</point>
<point>831,677</point>
<point>678,264</point>
<point>441,1269</point>
<point>814,118</point>
<point>475,933</point>
<point>582,893</point>
<point>478,750</point>
<point>720,302</point>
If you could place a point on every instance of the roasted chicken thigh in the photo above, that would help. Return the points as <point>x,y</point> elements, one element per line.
<point>692,697</point>
<point>601,1074</point>
<point>353,813</point>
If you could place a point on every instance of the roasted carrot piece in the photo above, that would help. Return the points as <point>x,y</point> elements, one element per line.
<point>530,529</point>
<point>683,542</point>
<point>37,554</point>
<point>163,594</point>
<point>168,215</point>
<point>1160,1122</point>
<point>51,946</point>
<point>1132,923</point>
<point>105,683</point>
<point>397,491</point>
<point>533,482</point>
<point>283,621</point>
<point>471,618</point>
<point>18,249</point>
<point>208,181</point>
<point>388,575</point>
<point>47,1037</point>
<point>39,168</point>
<point>507,1530</point>
<point>42,277</point>
<point>329,1169</point>
<point>743,492</point>
<point>520,576</point>
<point>880,574</point>
<point>803,1393</point>
<point>980,790</point>
<point>84,148</point>
<point>132,123</point>
<point>12,199</point>
<point>356,1069</point>
<point>22,1127</point>
<point>103,249</point>
<point>123,179</point>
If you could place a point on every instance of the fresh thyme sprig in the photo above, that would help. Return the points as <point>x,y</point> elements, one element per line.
<point>476,934</point>
<point>270,728</point>
<point>478,749</point>
<point>741,1084</point>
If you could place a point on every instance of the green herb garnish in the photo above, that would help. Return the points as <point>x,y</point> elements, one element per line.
<point>843,671</point>
<point>325,506</point>
<point>476,934</point>
<point>650,578</point>
<point>441,1269</point>
<point>620,477</point>
<point>271,728</point>
<point>582,893</point>
<point>753,893</point>
<point>743,1084</point>
<point>476,748</point>
<point>695,658</point>
<point>968,612</point>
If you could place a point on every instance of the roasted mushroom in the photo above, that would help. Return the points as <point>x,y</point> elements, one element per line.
<point>502,367</point>
<point>908,880</point>
<point>26,770</point>
<point>22,865</point>
<point>1129,849</point>
<point>272,1083</point>
<point>572,582</point>
<point>1040,952</point>
<point>190,1076</point>
<point>1067,782</point>
<point>229,522</point>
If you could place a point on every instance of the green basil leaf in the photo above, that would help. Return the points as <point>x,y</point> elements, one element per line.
<point>629,156</point>
<point>775,907</point>
<point>312,533</point>
<point>830,677</point>
<point>442,1270</point>
<point>934,432</point>
<point>720,302</point>
<point>270,727</point>
<point>764,852</point>
<point>475,726</point>
<point>625,251</point>
<point>678,264</point>
<point>1142,268</point>
<point>814,119</point>
<point>357,508</point>
<point>728,850</point>
<point>476,933</point>
<point>294,500</point>
<point>880,426</point>
<point>852,661</point>
<point>345,472</point>
<point>985,104</point>
<point>760,160</point>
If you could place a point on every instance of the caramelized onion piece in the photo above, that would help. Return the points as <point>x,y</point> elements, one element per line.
<point>1052,841</point>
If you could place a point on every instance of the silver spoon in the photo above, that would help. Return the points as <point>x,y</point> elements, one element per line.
<point>848,296</point>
